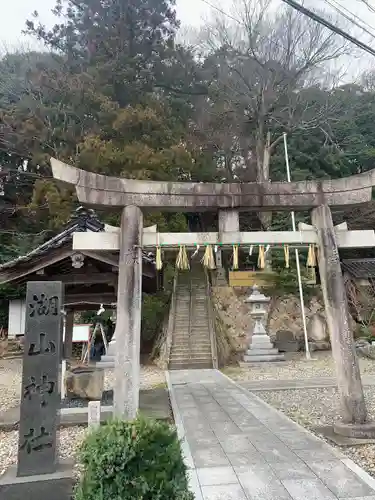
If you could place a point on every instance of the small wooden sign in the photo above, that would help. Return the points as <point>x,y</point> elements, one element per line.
<point>250,278</point>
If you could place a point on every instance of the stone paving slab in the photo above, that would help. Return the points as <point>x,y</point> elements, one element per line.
<point>237,447</point>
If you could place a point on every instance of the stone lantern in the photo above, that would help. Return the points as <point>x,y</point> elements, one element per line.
<point>261,348</point>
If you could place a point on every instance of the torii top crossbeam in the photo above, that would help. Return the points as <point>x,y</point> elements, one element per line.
<point>97,190</point>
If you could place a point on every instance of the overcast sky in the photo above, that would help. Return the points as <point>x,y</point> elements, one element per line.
<point>14,13</point>
<point>191,12</point>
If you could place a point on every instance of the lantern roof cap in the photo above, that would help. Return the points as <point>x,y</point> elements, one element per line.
<point>257,297</point>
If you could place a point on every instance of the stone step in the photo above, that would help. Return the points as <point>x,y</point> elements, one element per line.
<point>188,354</point>
<point>182,351</point>
<point>199,316</point>
<point>193,357</point>
<point>184,338</point>
<point>196,331</point>
<point>196,341</point>
<point>107,357</point>
<point>264,359</point>
<point>261,345</point>
<point>189,360</point>
<point>187,349</point>
<point>105,364</point>
<point>193,315</point>
<point>262,352</point>
<point>190,365</point>
<point>180,337</point>
<point>185,327</point>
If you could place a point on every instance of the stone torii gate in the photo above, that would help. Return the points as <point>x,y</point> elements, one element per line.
<point>98,191</point>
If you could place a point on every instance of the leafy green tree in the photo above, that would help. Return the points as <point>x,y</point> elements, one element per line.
<point>115,96</point>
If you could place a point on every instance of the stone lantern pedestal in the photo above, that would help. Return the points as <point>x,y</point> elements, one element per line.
<point>261,348</point>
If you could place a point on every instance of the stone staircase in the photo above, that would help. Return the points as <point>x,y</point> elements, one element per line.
<point>191,341</point>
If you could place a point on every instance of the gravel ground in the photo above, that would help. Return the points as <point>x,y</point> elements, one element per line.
<point>295,368</point>
<point>10,387</point>
<point>313,407</point>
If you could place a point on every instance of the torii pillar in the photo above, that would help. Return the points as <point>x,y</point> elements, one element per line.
<point>353,421</point>
<point>128,323</point>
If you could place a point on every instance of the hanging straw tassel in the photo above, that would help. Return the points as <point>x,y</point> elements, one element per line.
<point>159,263</point>
<point>286,254</point>
<point>261,258</point>
<point>311,257</point>
<point>182,261</point>
<point>235,257</point>
<point>208,258</point>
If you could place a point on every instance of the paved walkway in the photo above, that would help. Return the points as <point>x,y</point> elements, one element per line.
<point>239,448</point>
<point>307,383</point>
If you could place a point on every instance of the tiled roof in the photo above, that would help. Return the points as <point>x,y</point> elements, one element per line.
<point>359,268</point>
<point>83,220</point>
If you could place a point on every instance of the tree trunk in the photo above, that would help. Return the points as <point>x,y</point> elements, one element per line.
<point>263,176</point>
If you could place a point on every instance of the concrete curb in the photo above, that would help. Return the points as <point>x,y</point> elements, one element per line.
<point>179,425</point>
<point>366,478</point>
<point>188,458</point>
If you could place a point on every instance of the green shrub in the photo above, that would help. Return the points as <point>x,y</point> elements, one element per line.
<point>137,460</point>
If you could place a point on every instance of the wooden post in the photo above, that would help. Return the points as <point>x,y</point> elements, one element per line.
<point>68,341</point>
<point>353,407</point>
<point>128,325</point>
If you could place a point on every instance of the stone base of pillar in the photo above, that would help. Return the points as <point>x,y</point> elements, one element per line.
<point>112,348</point>
<point>358,431</point>
<point>59,485</point>
<point>262,350</point>
<point>106,362</point>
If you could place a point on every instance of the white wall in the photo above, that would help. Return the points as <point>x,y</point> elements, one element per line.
<point>16,323</point>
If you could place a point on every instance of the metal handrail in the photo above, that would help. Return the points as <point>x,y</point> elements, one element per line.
<point>172,316</point>
<point>211,323</point>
